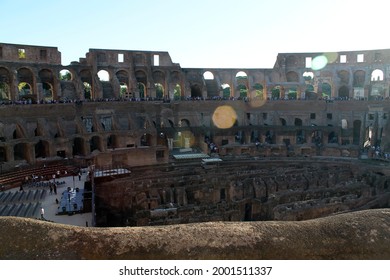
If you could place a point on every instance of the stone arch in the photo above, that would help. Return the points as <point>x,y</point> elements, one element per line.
<point>141,90</point>
<point>276,92</point>
<point>177,93</point>
<point>377,75</point>
<point>142,81</point>
<point>21,151</point>
<point>344,92</point>
<point>343,76</point>
<point>292,76</point>
<point>298,122</point>
<point>283,121</point>
<point>208,75</point>
<point>19,132</point>
<point>308,76</point>
<point>258,91</point>
<point>96,143</point>
<point>146,139</point>
<point>333,138</point>
<point>196,91</point>
<point>184,123</point>
<point>359,77</point>
<point>5,84</point>
<point>326,90</point>
<point>78,147</point>
<point>226,91</point>
<point>65,75</point>
<point>123,79</point>
<point>243,90</point>
<point>292,93</point>
<point>112,141</point>
<point>26,84</point>
<point>104,75</point>
<point>87,84</point>
<point>159,90</point>
<point>42,149</point>
<point>300,137</point>
<point>47,78</point>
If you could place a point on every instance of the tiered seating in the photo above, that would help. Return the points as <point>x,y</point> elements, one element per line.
<point>22,204</point>
<point>15,178</point>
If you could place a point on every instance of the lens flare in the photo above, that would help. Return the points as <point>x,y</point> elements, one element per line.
<point>224,117</point>
<point>319,62</point>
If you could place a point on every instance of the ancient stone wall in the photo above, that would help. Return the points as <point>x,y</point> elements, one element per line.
<point>240,191</point>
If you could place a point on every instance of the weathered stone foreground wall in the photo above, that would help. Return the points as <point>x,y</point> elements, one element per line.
<point>358,235</point>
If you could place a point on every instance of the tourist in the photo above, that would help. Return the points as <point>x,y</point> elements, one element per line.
<point>42,213</point>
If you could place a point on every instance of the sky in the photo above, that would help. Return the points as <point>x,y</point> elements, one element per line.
<point>198,33</point>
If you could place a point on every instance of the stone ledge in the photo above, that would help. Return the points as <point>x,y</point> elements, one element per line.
<point>357,235</point>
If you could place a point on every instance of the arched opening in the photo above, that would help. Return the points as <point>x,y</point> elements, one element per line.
<point>292,93</point>
<point>159,90</point>
<point>87,91</point>
<point>316,138</point>
<point>103,75</point>
<point>146,139</point>
<point>124,91</point>
<point>78,147</point>
<point>344,92</point>
<point>177,92</point>
<point>25,86</point>
<point>5,79</point>
<point>47,92</point>
<point>142,90</point>
<point>226,92</point>
<point>258,92</point>
<point>208,75</point>
<point>42,149</point>
<point>326,90</point>
<point>112,141</point>
<point>377,75</point>
<point>298,122</point>
<point>243,91</point>
<point>300,137</point>
<point>359,78</point>
<point>333,138</point>
<point>20,151</point>
<point>86,79</point>
<point>142,81</point>
<point>95,144</point>
<point>275,92</point>
<point>282,121</point>
<point>308,76</point>
<point>270,137</point>
<point>5,93</point>
<point>343,76</point>
<point>25,92</point>
<point>196,91</point>
<point>184,123</point>
<point>65,75</point>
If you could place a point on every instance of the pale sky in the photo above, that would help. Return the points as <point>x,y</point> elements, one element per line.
<point>198,33</point>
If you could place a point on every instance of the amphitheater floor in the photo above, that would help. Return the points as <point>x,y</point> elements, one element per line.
<point>51,207</point>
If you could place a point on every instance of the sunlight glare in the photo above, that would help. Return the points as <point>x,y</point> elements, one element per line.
<point>224,117</point>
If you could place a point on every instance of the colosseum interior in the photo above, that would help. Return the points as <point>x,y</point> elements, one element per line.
<point>306,139</point>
